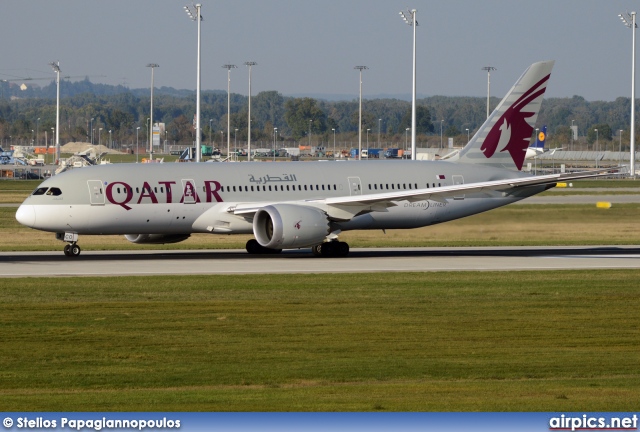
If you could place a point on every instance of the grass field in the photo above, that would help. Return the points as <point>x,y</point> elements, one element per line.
<point>508,341</point>
<point>526,341</point>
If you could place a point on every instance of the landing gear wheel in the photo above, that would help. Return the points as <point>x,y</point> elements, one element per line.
<point>75,250</point>
<point>72,250</point>
<point>343,249</point>
<point>255,248</point>
<point>332,249</point>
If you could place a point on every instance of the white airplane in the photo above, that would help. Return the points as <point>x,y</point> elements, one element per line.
<point>538,147</point>
<point>299,204</point>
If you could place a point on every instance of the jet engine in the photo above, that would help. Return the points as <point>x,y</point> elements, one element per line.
<point>285,226</point>
<point>156,238</point>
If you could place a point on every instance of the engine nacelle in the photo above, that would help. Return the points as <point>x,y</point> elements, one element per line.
<point>156,238</point>
<point>284,226</point>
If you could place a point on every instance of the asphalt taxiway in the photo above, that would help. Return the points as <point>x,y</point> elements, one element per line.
<point>211,262</point>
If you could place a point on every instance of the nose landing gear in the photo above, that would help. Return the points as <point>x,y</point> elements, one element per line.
<point>71,249</point>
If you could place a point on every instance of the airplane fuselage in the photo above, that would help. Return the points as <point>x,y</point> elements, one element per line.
<point>191,198</point>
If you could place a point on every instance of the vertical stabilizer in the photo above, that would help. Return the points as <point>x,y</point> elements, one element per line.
<point>541,139</point>
<point>503,139</point>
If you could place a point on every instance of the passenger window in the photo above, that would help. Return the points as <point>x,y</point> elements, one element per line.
<point>40,191</point>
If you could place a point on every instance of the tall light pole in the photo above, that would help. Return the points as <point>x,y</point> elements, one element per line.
<point>110,140</point>
<point>488,69</point>
<point>38,120</point>
<point>99,136</point>
<point>441,121</point>
<point>310,123</point>
<point>596,131</point>
<point>468,134</point>
<point>410,19</point>
<point>334,142</point>
<point>56,69</point>
<point>235,143</point>
<point>229,67</point>
<point>629,20</point>
<point>368,142</point>
<point>620,148</point>
<point>137,148</point>
<point>360,68</point>
<point>249,64</point>
<point>406,131</point>
<point>195,15</point>
<point>379,124</point>
<point>275,134</point>
<point>152,66</point>
<point>210,120</point>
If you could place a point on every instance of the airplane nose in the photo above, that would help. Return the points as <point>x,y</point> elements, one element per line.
<point>26,215</point>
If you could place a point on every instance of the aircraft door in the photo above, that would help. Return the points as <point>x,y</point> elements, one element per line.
<point>189,192</point>
<point>96,192</point>
<point>458,180</point>
<point>355,186</point>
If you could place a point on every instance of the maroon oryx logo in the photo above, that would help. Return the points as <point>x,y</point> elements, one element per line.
<point>297,225</point>
<point>512,132</point>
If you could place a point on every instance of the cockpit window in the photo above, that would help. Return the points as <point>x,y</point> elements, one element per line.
<point>54,191</point>
<point>40,191</point>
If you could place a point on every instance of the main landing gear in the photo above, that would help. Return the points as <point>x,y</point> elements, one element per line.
<point>255,248</point>
<point>331,249</point>
<point>71,249</point>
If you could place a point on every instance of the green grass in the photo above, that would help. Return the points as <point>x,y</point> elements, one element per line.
<point>523,341</point>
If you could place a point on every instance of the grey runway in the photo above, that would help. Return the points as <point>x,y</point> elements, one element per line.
<point>130,263</point>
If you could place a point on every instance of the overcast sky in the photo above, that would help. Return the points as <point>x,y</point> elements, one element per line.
<point>311,47</point>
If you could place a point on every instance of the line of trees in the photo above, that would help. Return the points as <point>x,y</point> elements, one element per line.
<point>123,111</point>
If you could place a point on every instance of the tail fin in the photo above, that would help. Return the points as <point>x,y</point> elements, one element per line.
<point>541,139</point>
<point>503,139</point>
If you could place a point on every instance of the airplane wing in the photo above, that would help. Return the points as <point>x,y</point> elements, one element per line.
<point>346,207</point>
